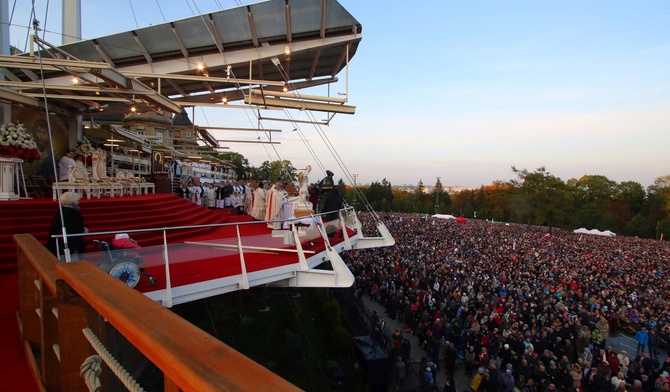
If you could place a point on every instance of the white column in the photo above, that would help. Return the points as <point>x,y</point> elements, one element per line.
<point>71,21</point>
<point>5,109</point>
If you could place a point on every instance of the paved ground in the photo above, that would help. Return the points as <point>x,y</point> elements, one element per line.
<point>618,343</point>
<point>462,381</point>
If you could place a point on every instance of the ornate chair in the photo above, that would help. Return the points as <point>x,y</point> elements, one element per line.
<point>110,188</point>
<point>127,180</point>
<point>145,186</point>
<point>77,182</point>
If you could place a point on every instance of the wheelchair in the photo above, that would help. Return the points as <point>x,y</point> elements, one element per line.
<point>122,264</point>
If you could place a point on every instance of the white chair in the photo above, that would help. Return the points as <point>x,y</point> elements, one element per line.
<point>110,188</point>
<point>145,186</point>
<point>127,180</point>
<point>77,182</point>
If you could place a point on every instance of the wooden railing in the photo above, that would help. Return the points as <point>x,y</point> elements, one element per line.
<point>59,300</point>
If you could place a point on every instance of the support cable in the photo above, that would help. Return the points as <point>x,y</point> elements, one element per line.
<point>66,248</point>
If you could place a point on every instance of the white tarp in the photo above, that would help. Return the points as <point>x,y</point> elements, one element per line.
<point>605,233</point>
<point>443,216</point>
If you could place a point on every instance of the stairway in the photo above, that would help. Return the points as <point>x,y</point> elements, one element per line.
<point>176,182</point>
<point>34,216</point>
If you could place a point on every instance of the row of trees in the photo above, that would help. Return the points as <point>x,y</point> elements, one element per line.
<point>539,198</point>
<point>536,198</point>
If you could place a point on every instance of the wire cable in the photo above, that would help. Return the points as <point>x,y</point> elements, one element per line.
<point>133,11</point>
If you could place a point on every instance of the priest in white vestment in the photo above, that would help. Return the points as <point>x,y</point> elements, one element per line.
<point>210,192</point>
<point>275,201</point>
<point>258,210</point>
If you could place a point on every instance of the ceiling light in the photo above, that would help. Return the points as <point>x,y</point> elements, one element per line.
<point>133,109</point>
<point>285,89</point>
<point>75,80</point>
<point>224,99</point>
<point>287,49</point>
<point>201,66</point>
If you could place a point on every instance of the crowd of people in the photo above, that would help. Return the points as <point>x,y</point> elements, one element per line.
<point>199,169</point>
<point>522,308</point>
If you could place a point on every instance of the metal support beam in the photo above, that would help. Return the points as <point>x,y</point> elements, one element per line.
<point>180,42</point>
<point>297,95</point>
<point>142,48</point>
<point>301,105</point>
<point>104,54</point>
<point>252,27</point>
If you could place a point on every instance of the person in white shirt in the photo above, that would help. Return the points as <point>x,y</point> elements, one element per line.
<point>64,163</point>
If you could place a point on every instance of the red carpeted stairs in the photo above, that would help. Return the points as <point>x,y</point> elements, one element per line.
<point>122,213</point>
<point>127,213</point>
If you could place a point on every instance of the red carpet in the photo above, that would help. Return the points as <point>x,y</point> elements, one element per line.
<point>14,371</point>
<point>122,213</point>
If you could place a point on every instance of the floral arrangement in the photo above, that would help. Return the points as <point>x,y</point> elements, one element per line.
<point>16,142</point>
<point>84,147</point>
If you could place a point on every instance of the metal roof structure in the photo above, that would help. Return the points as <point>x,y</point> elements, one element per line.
<point>205,60</point>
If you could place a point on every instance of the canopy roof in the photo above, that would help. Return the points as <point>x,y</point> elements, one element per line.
<point>200,60</point>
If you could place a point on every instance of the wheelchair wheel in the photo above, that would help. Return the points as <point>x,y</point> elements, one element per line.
<point>127,272</point>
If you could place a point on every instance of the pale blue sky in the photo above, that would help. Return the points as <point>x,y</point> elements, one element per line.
<point>464,90</point>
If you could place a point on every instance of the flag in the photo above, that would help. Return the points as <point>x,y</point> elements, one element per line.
<point>514,245</point>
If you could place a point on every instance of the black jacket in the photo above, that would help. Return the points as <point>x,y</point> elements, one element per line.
<point>74,224</point>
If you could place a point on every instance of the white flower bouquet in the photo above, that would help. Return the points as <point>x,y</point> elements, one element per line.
<point>84,147</point>
<point>16,142</point>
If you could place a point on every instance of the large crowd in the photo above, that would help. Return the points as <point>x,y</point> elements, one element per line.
<point>523,308</point>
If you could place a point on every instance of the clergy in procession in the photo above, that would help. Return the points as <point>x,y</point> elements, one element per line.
<point>258,210</point>
<point>248,198</point>
<point>210,195</point>
<point>274,201</point>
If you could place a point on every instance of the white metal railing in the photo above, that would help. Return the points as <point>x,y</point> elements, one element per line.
<point>290,254</point>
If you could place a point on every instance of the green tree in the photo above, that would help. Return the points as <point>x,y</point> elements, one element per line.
<point>594,195</point>
<point>540,198</point>
<point>242,168</point>
<point>277,171</point>
<point>497,201</point>
<point>656,207</point>
<point>421,200</point>
<point>637,227</point>
<point>462,203</point>
<point>441,198</point>
<point>380,195</point>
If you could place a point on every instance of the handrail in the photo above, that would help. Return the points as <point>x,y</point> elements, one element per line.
<point>57,301</point>
<point>173,228</point>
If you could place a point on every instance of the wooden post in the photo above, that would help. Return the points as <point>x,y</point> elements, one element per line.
<point>28,301</point>
<point>73,314</point>
<point>49,340</point>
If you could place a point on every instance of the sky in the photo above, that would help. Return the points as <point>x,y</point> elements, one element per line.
<point>462,90</point>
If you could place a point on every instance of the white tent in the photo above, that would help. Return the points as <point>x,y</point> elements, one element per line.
<point>606,233</point>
